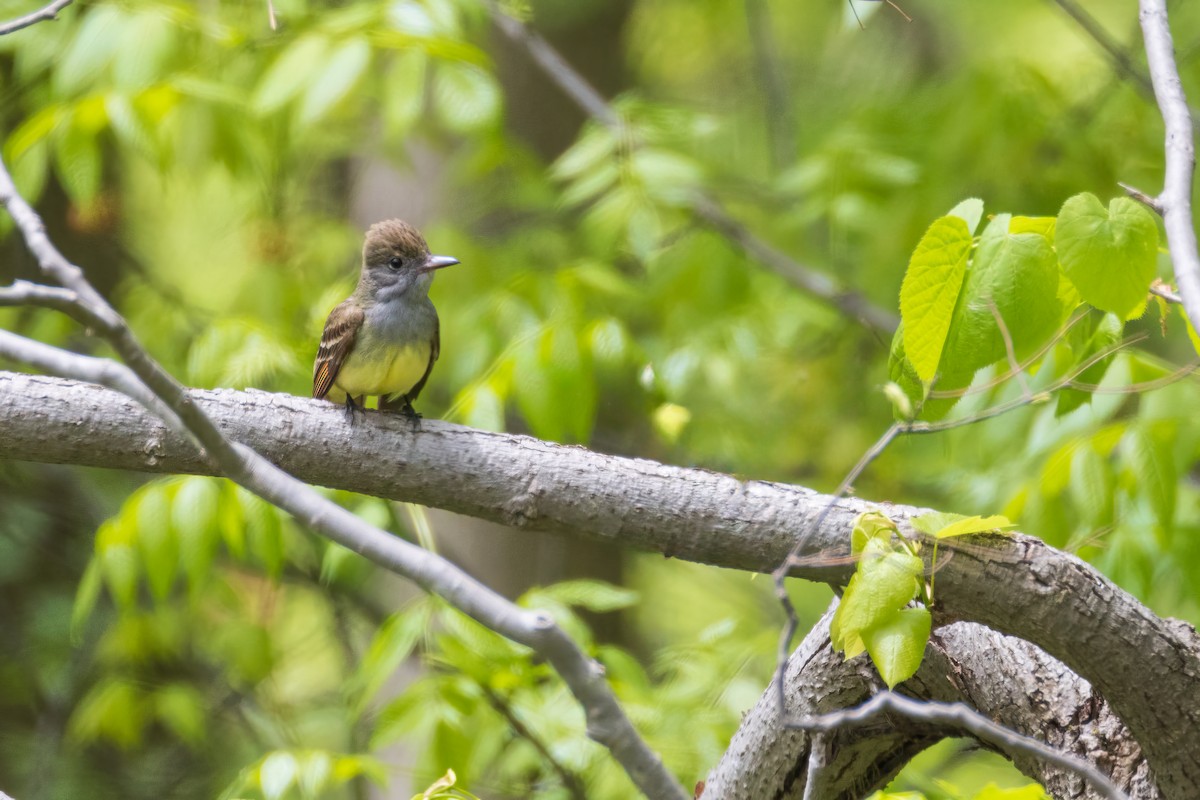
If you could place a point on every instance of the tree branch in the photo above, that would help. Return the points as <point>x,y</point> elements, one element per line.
<point>707,209</point>
<point>606,720</point>
<point>50,12</point>
<point>1176,198</point>
<point>1147,667</point>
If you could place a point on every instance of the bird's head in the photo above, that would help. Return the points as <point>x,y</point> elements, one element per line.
<point>396,259</point>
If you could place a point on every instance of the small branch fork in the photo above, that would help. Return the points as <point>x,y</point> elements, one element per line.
<point>144,380</point>
<point>41,15</point>
<point>703,207</point>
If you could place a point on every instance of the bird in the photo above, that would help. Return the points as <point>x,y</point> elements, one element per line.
<point>384,339</point>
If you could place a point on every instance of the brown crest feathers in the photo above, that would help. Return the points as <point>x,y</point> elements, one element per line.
<point>392,237</point>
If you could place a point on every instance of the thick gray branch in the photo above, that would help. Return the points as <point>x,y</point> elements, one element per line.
<point>1005,679</point>
<point>1146,667</point>
<point>1176,198</point>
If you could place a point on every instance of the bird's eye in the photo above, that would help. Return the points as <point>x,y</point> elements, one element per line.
<point>395,262</point>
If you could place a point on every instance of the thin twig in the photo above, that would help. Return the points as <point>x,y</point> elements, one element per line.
<point>607,721</point>
<point>1176,198</point>
<point>571,782</point>
<point>962,716</point>
<point>781,122</point>
<point>46,14</point>
<point>584,95</point>
<point>1160,289</point>
<point>1143,198</point>
<point>1009,351</point>
<point>1118,55</point>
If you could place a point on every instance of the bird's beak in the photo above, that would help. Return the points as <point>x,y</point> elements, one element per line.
<point>438,262</point>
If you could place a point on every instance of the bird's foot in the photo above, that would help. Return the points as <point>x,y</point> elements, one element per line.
<point>411,414</point>
<point>352,411</point>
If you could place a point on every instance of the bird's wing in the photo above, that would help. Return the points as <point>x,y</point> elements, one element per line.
<point>435,348</point>
<point>337,341</point>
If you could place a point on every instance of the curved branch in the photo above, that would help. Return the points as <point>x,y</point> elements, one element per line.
<point>1147,667</point>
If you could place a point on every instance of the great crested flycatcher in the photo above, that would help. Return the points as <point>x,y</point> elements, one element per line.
<point>384,338</point>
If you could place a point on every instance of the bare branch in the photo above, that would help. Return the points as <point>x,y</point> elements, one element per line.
<point>607,722</point>
<point>1176,198</point>
<point>50,12</point>
<point>584,95</point>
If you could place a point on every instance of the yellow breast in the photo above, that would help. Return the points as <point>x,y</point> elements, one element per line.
<point>382,371</point>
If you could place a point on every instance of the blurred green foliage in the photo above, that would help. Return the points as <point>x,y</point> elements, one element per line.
<point>204,168</point>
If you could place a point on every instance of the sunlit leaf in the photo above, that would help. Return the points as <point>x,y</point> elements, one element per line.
<point>897,644</point>
<point>338,76</point>
<point>1109,254</point>
<point>930,291</point>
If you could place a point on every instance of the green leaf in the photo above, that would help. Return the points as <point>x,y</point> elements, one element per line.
<point>930,290</point>
<point>880,586</point>
<point>666,176</point>
<point>1092,486</point>
<point>868,526</point>
<point>86,596</point>
<point>395,641</point>
<point>1191,331</point>
<point>277,773</point>
<point>1017,274</point>
<point>595,596</point>
<point>945,525</point>
<point>316,767</point>
<point>404,92</point>
<point>969,211</point>
<point>114,710</point>
<point>194,518</point>
<point>338,76</point>
<point>1043,226</point>
<point>77,161</point>
<point>592,150</point>
<point>182,710</point>
<point>1086,339</point>
<point>155,539</point>
<point>98,37</point>
<point>897,644</point>
<point>34,130</point>
<point>290,73</point>
<point>466,98</point>
<point>118,560</point>
<point>1109,254</point>
<point>264,532</point>
<point>1151,463</point>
